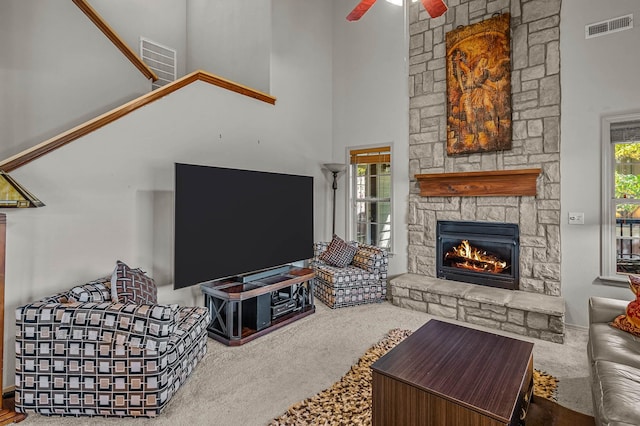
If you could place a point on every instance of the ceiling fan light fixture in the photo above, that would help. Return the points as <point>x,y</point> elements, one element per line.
<point>435,8</point>
<point>360,10</point>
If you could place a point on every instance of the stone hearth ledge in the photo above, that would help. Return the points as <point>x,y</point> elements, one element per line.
<point>521,312</point>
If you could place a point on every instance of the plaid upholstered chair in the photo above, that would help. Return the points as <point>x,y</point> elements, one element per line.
<point>105,348</point>
<point>349,274</point>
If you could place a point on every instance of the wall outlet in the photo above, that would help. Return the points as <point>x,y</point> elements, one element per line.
<point>576,218</point>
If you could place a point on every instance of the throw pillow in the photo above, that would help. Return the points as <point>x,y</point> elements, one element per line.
<point>339,253</point>
<point>631,321</point>
<point>94,291</point>
<point>132,286</point>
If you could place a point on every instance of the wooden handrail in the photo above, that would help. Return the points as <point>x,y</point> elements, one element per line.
<point>115,38</point>
<point>77,132</point>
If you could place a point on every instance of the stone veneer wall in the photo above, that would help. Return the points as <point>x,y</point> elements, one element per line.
<point>535,85</point>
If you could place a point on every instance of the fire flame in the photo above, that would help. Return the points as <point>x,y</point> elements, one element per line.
<point>468,257</point>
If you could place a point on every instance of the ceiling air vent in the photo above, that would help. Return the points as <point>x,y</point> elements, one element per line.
<point>609,26</point>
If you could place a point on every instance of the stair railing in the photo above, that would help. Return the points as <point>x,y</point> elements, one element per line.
<point>81,130</point>
<point>95,17</point>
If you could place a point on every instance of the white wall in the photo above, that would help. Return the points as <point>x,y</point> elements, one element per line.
<point>371,104</point>
<point>599,77</point>
<point>163,21</point>
<point>109,195</point>
<point>57,71</point>
<point>231,38</point>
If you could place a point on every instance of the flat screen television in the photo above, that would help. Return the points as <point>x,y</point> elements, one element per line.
<point>231,222</point>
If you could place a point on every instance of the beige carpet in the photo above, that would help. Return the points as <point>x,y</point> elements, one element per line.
<point>254,383</point>
<point>348,401</point>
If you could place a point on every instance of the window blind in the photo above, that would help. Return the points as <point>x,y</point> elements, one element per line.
<point>625,131</point>
<point>370,155</point>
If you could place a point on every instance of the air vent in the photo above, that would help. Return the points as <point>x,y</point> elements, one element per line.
<point>161,59</point>
<point>610,26</point>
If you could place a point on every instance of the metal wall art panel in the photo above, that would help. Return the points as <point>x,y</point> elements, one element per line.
<point>479,87</point>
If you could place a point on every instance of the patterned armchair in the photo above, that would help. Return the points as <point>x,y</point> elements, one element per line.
<point>362,280</point>
<point>81,353</point>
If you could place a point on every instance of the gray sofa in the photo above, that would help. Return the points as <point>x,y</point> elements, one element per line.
<point>614,356</point>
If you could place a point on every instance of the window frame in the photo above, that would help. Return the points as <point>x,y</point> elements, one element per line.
<point>608,269</point>
<point>351,192</point>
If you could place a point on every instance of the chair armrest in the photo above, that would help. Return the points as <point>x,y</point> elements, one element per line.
<point>62,297</point>
<point>190,329</point>
<point>372,259</point>
<point>318,249</point>
<point>146,327</point>
<point>603,309</point>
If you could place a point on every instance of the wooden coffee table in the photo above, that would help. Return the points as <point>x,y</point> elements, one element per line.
<point>446,374</point>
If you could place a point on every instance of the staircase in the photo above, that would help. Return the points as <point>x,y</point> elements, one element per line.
<point>36,150</point>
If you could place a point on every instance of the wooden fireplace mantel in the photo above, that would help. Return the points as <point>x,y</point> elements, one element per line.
<point>478,184</point>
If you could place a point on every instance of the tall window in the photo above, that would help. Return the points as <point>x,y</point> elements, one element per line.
<point>621,195</point>
<point>370,196</point>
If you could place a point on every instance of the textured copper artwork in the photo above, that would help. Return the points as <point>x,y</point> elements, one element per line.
<point>479,87</point>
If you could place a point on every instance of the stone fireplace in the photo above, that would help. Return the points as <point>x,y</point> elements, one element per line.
<point>535,308</point>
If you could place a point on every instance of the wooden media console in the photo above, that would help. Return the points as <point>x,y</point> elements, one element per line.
<point>244,310</point>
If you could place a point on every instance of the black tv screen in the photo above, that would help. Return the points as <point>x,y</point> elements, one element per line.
<point>231,222</point>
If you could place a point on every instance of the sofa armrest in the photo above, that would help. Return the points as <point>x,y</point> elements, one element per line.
<point>190,330</point>
<point>372,259</point>
<point>141,327</point>
<point>603,309</point>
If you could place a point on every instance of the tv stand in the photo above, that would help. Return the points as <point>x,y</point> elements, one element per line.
<point>243,309</point>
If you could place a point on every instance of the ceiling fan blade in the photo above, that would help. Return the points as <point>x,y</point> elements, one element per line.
<point>435,8</point>
<point>360,10</point>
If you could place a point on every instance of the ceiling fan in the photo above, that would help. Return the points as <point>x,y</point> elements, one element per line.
<point>435,8</point>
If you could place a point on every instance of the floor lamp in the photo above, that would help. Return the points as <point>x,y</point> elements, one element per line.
<point>12,194</point>
<point>335,169</point>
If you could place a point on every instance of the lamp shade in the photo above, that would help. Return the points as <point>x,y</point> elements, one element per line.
<point>12,194</point>
<point>335,167</point>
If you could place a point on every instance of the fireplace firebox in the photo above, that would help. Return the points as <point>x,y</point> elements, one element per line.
<point>483,253</point>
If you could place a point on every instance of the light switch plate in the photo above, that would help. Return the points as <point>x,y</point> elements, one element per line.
<point>576,218</point>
